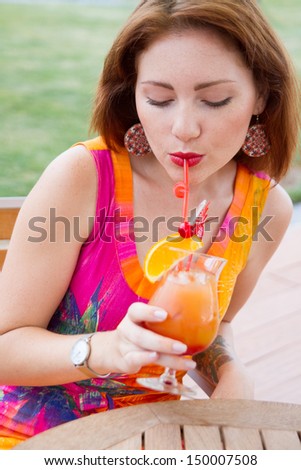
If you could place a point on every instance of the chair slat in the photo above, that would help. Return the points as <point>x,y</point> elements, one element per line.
<point>242,438</point>
<point>281,440</point>
<point>163,437</point>
<point>9,210</point>
<point>202,438</point>
<point>7,221</point>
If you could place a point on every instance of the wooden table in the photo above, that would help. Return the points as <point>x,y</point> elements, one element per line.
<point>187,424</point>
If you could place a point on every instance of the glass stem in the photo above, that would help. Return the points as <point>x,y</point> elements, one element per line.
<point>169,377</point>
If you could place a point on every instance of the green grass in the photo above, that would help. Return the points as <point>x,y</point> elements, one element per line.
<point>295,192</point>
<point>50,60</point>
<point>285,16</point>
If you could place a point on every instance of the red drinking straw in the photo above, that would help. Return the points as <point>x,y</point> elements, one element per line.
<point>185,204</point>
<point>186,191</point>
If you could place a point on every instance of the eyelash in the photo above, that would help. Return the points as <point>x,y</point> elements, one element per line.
<point>159,104</point>
<point>217,104</point>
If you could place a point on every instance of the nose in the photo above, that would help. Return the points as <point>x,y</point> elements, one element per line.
<point>186,125</point>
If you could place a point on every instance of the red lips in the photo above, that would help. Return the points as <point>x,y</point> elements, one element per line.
<point>192,158</point>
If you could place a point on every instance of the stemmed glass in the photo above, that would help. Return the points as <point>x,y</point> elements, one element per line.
<point>188,292</point>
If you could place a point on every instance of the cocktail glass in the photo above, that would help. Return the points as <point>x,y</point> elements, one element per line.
<point>189,294</point>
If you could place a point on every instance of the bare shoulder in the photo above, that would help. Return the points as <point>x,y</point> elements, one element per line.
<point>278,212</point>
<point>52,225</point>
<point>278,203</point>
<point>76,159</point>
<point>72,174</point>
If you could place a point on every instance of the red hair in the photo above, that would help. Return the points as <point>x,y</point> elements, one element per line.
<point>240,20</point>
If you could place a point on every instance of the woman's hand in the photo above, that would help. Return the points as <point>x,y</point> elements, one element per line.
<point>135,346</point>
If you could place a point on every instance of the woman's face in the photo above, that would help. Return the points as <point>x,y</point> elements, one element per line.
<point>195,96</point>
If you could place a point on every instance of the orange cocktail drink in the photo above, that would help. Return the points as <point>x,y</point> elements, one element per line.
<point>191,303</point>
<point>187,292</point>
<point>189,295</point>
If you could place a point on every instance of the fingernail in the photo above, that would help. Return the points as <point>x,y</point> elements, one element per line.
<point>190,364</point>
<point>160,314</point>
<point>179,347</point>
<point>153,355</point>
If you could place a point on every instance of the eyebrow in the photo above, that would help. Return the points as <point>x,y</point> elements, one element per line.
<point>200,86</point>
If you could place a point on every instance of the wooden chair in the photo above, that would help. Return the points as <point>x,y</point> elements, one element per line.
<point>9,209</point>
<point>175,425</point>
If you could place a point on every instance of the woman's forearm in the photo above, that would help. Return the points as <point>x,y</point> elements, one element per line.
<point>210,361</point>
<point>35,357</point>
<point>220,367</point>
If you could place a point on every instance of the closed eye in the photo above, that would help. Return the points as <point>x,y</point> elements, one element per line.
<point>218,104</point>
<point>160,104</point>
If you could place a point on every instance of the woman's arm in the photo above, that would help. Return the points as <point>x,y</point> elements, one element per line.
<point>39,265</point>
<point>219,365</point>
<point>222,373</point>
<point>36,274</point>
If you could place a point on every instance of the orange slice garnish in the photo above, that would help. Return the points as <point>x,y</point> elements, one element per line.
<point>167,252</point>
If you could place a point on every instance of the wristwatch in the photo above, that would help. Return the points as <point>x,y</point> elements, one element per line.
<point>80,354</point>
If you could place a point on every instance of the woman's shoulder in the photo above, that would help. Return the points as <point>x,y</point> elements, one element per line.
<point>275,219</point>
<point>97,143</point>
<point>68,184</point>
<point>72,168</point>
<point>279,203</point>
<point>76,164</point>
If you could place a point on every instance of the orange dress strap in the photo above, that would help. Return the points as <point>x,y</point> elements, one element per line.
<point>237,231</point>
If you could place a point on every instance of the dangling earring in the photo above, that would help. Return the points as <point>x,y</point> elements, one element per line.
<point>257,143</point>
<point>135,141</point>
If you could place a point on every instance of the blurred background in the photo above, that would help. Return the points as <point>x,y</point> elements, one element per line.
<point>51,55</point>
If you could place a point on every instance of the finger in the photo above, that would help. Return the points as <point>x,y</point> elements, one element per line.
<point>136,359</point>
<point>147,339</point>
<point>176,362</point>
<point>139,312</point>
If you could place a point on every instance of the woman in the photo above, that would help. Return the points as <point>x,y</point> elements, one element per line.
<point>206,81</point>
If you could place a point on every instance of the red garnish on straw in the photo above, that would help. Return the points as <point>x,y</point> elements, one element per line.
<point>196,226</point>
<point>179,190</point>
<point>199,224</point>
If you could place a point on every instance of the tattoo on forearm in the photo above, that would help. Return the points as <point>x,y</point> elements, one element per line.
<point>209,361</point>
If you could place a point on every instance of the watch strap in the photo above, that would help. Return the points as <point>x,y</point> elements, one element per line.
<point>85,367</point>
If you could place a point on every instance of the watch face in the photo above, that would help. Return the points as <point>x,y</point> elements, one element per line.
<point>80,352</point>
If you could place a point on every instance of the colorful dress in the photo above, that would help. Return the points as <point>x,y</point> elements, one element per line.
<point>108,278</point>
